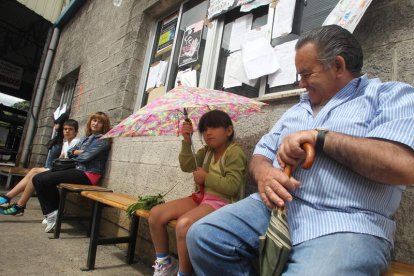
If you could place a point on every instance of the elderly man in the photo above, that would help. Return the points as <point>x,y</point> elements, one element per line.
<point>340,211</point>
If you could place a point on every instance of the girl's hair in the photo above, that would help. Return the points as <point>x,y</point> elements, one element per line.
<point>215,118</point>
<point>103,118</point>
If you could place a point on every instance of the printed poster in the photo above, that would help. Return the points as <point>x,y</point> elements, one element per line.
<point>347,13</point>
<point>191,44</point>
<point>167,33</point>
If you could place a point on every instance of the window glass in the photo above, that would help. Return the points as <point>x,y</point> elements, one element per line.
<point>191,41</point>
<point>259,19</point>
<point>161,53</point>
<point>309,14</point>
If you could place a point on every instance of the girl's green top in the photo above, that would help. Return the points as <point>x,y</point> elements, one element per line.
<point>233,170</point>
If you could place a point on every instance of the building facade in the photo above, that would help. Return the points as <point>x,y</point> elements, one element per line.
<point>104,59</point>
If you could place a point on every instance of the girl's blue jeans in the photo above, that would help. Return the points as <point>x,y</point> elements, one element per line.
<point>226,243</point>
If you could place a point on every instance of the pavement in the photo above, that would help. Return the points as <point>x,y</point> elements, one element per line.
<point>25,249</point>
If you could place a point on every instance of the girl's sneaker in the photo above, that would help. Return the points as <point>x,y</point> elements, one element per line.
<point>166,269</point>
<point>13,210</point>
<point>4,201</point>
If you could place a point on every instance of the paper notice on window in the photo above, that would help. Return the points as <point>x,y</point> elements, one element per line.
<point>152,76</point>
<point>238,31</point>
<point>162,73</point>
<point>284,13</point>
<point>347,13</point>
<point>235,70</point>
<point>285,54</point>
<point>155,93</point>
<point>258,58</point>
<point>187,78</point>
<point>253,5</point>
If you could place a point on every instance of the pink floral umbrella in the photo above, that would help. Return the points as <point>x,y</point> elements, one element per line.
<point>164,115</point>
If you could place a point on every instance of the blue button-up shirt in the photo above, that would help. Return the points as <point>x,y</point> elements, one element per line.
<point>333,198</point>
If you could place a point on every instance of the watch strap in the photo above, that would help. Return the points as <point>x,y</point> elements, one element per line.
<point>320,140</point>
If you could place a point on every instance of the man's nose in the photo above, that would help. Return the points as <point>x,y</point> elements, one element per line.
<point>302,83</point>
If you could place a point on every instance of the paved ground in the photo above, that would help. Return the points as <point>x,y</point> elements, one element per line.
<point>26,250</point>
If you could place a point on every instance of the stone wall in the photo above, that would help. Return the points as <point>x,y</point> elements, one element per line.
<point>387,37</point>
<point>107,46</point>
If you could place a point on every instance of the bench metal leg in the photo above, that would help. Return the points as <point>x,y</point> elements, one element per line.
<point>133,232</point>
<point>62,193</point>
<point>93,243</point>
<point>8,183</point>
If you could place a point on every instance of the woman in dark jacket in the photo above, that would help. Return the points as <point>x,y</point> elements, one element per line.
<point>91,153</point>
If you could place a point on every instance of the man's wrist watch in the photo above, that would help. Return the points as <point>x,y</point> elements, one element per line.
<point>320,138</point>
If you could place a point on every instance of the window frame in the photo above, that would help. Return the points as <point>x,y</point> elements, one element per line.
<point>211,54</point>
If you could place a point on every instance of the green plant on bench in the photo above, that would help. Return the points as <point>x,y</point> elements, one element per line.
<point>145,203</point>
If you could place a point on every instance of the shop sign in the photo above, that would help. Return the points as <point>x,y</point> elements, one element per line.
<point>191,43</point>
<point>10,74</point>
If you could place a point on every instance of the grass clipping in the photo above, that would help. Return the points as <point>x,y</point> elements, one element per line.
<point>145,203</point>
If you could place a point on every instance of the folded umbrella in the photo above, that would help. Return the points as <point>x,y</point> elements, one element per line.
<point>275,244</point>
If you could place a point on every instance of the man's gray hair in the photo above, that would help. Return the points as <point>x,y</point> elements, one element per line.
<point>332,41</point>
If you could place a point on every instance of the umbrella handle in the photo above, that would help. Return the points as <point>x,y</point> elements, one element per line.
<point>307,164</point>
<point>191,136</point>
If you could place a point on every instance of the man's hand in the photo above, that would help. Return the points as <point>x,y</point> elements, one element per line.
<point>186,131</point>
<point>290,150</point>
<point>272,183</point>
<point>199,176</point>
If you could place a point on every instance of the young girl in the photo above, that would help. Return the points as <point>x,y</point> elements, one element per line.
<point>91,154</point>
<point>25,186</point>
<point>221,177</point>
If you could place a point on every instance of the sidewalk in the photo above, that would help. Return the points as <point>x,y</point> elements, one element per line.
<point>27,250</point>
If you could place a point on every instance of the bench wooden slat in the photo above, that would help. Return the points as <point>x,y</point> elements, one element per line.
<point>81,187</point>
<point>117,200</point>
<point>14,170</point>
<point>400,269</point>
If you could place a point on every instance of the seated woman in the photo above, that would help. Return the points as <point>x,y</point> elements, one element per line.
<point>91,153</point>
<point>25,186</point>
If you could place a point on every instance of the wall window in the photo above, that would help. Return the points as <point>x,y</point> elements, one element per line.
<point>191,52</point>
<point>259,19</point>
<point>183,57</point>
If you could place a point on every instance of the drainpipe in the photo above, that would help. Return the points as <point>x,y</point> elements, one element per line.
<point>39,96</point>
<point>66,14</point>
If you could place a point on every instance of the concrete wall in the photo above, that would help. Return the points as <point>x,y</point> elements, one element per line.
<point>108,45</point>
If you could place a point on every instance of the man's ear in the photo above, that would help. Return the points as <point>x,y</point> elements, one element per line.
<point>340,65</point>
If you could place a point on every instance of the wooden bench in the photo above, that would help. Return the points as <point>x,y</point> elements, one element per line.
<point>122,201</point>
<point>11,172</point>
<point>64,189</point>
<point>119,201</point>
<point>400,269</point>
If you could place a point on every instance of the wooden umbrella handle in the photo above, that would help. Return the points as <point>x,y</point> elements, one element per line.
<point>307,164</point>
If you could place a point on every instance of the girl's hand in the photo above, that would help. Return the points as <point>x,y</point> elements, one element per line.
<point>77,152</point>
<point>186,131</point>
<point>199,176</point>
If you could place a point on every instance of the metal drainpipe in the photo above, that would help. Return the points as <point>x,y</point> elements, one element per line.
<point>39,96</point>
